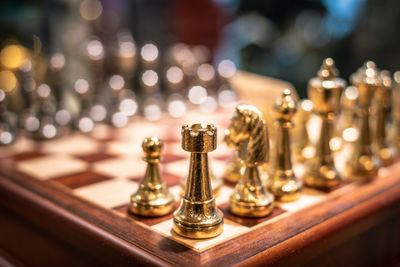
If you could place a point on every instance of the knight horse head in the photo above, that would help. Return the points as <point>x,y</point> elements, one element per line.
<point>248,132</point>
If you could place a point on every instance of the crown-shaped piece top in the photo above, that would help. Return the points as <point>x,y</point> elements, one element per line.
<point>368,74</point>
<point>199,138</point>
<point>328,70</point>
<point>285,106</point>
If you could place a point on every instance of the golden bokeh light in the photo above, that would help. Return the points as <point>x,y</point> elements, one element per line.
<point>12,56</point>
<point>8,81</point>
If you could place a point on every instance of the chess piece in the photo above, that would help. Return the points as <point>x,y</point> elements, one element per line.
<point>395,131</point>
<point>347,118</point>
<point>324,91</point>
<point>362,166</point>
<point>303,148</point>
<point>216,183</point>
<point>198,217</point>
<point>232,170</point>
<point>382,103</point>
<point>8,133</point>
<point>248,133</point>
<point>84,121</point>
<point>282,181</point>
<point>152,197</point>
<point>41,124</point>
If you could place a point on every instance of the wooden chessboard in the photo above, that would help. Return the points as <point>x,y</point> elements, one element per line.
<point>84,182</point>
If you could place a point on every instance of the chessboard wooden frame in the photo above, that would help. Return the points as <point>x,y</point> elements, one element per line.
<point>116,240</point>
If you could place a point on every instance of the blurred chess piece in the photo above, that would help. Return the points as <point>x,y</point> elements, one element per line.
<point>198,217</point>
<point>347,116</point>
<point>382,106</point>
<point>248,133</point>
<point>41,124</point>
<point>362,166</point>
<point>232,169</point>
<point>152,197</point>
<point>8,131</point>
<point>55,77</point>
<point>395,131</point>
<point>282,181</point>
<point>84,121</point>
<point>324,91</point>
<point>302,147</point>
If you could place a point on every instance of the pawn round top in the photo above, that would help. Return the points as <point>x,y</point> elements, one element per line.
<point>152,146</point>
<point>199,138</point>
<point>285,106</point>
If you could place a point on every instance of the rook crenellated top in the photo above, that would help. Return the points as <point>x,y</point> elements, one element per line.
<point>199,138</point>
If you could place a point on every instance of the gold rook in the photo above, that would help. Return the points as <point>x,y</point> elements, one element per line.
<point>198,217</point>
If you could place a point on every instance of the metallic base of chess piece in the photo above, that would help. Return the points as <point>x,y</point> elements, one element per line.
<point>152,197</point>
<point>232,172</point>
<point>198,217</point>
<point>382,103</point>
<point>248,133</point>
<point>322,177</point>
<point>252,201</point>
<point>361,169</point>
<point>284,186</point>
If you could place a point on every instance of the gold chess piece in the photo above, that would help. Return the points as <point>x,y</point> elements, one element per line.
<point>303,148</point>
<point>216,183</point>
<point>347,120</point>
<point>282,181</point>
<point>198,217</point>
<point>362,165</point>
<point>232,171</point>
<point>152,197</point>
<point>248,133</point>
<point>395,131</point>
<point>382,102</point>
<point>324,91</point>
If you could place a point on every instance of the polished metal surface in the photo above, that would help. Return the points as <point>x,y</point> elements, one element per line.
<point>152,197</point>
<point>382,106</point>
<point>363,166</point>
<point>198,217</point>
<point>324,91</point>
<point>282,181</point>
<point>248,133</point>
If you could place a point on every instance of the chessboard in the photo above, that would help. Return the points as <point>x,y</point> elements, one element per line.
<point>92,176</point>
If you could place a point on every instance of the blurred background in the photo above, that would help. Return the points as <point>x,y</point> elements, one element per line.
<point>283,39</point>
<point>85,61</point>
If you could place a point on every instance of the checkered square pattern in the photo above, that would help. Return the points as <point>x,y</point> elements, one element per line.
<point>106,167</point>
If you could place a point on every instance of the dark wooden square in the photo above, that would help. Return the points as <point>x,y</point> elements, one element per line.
<point>80,179</point>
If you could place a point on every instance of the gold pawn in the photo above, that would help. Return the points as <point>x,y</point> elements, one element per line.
<point>248,133</point>
<point>152,197</point>
<point>302,146</point>
<point>363,165</point>
<point>324,91</point>
<point>282,181</point>
<point>198,217</point>
<point>395,131</point>
<point>345,125</point>
<point>382,103</point>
